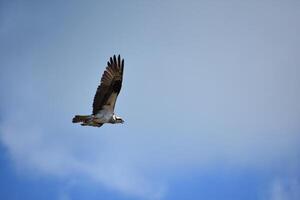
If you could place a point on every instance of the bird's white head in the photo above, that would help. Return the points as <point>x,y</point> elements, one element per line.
<point>118,120</point>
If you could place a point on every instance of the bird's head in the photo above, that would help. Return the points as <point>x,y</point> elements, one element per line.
<point>119,120</point>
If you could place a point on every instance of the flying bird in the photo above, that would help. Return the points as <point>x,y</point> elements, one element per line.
<point>106,96</point>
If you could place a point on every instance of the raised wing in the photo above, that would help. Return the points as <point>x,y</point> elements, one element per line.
<point>110,85</point>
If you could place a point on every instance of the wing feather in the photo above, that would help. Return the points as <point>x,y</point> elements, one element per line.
<point>110,85</point>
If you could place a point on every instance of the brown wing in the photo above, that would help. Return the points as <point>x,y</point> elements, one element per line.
<point>110,85</point>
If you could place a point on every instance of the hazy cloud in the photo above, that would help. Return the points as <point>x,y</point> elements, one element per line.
<point>285,189</point>
<point>205,85</point>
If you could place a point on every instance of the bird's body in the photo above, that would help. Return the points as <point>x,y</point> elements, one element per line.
<point>105,97</point>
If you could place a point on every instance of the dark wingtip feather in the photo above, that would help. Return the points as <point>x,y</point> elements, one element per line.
<point>116,62</point>
<point>115,59</point>
<point>119,61</point>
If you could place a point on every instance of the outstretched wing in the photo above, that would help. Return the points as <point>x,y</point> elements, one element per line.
<point>110,85</point>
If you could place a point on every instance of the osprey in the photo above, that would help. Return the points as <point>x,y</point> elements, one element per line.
<point>106,96</point>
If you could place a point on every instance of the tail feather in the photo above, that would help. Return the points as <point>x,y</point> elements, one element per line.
<point>80,118</point>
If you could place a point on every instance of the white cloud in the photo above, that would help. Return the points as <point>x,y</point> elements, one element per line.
<point>285,189</point>
<point>34,151</point>
<point>134,162</point>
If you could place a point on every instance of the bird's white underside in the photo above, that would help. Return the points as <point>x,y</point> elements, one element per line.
<point>104,115</point>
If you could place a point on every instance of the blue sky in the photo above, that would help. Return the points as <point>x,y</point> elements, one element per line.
<point>210,99</point>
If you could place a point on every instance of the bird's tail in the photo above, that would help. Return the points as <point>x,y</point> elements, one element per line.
<point>81,118</point>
